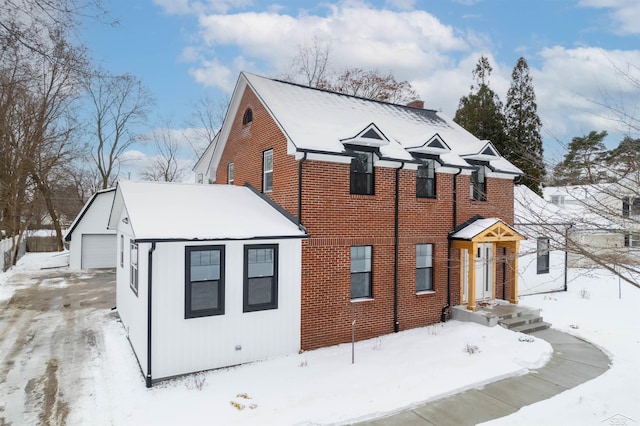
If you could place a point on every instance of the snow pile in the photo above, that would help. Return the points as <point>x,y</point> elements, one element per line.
<point>28,263</point>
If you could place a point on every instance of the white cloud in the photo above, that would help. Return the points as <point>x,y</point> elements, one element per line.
<point>625,14</point>
<point>572,85</point>
<point>186,7</point>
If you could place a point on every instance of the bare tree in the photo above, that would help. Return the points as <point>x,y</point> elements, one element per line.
<point>204,124</point>
<point>372,84</point>
<point>119,105</point>
<point>310,65</point>
<point>165,166</point>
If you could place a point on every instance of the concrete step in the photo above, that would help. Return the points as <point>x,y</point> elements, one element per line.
<point>531,327</point>
<point>520,320</point>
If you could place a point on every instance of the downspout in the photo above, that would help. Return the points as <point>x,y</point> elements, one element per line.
<point>445,308</point>
<point>149,282</point>
<point>304,157</point>
<point>396,323</point>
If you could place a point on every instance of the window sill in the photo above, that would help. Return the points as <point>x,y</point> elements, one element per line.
<point>419,293</point>
<point>362,299</point>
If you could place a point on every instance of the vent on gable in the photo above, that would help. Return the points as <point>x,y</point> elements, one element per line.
<point>369,136</point>
<point>488,150</point>
<point>436,145</point>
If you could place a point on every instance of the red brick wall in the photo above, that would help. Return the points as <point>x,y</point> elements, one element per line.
<point>336,220</point>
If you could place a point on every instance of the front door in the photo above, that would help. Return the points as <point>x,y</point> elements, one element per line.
<point>484,271</point>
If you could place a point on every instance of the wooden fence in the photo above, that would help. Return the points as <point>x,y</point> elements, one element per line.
<point>6,252</point>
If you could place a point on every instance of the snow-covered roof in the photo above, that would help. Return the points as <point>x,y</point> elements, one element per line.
<point>474,228</point>
<point>530,208</point>
<point>103,193</point>
<point>319,120</point>
<point>179,211</point>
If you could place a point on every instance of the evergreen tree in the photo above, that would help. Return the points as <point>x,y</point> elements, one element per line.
<point>584,163</point>
<point>480,112</point>
<point>524,142</point>
<point>625,158</point>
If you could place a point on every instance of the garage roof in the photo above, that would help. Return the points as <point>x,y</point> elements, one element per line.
<point>179,211</point>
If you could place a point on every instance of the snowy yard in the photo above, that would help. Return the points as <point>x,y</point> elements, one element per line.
<point>323,387</point>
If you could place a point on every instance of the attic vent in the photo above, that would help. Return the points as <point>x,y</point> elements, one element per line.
<point>489,151</point>
<point>436,144</point>
<point>248,117</point>
<point>371,134</point>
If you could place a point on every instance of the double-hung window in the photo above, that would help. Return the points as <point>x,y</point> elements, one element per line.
<point>121,251</point>
<point>133,269</point>
<point>361,272</point>
<point>260,277</point>
<point>543,256</point>
<point>426,180</point>
<point>479,184</point>
<point>630,206</point>
<point>204,281</point>
<point>361,177</point>
<point>424,267</point>
<point>267,170</point>
<point>230,173</point>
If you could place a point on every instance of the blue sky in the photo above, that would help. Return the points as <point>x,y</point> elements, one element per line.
<point>184,49</point>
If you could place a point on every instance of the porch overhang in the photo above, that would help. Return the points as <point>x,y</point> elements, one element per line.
<point>482,231</point>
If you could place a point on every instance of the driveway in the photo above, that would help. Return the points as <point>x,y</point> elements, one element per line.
<point>48,340</point>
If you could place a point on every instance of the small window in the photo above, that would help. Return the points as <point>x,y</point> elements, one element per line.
<point>426,180</point>
<point>362,177</point>
<point>632,240</point>
<point>133,270</point>
<point>479,184</point>
<point>267,170</point>
<point>230,174</point>
<point>260,277</point>
<point>122,251</point>
<point>635,207</point>
<point>543,256</point>
<point>558,200</point>
<point>204,281</point>
<point>247,118</point>
<point>424,267</point>
<point>361,272</point>
<point>200,178</point>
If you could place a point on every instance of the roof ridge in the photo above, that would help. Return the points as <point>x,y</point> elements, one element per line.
<point>318,89</point>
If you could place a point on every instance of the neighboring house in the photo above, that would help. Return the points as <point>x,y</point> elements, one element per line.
<point>385,192</point>
<point>542,263</point>
<point>207,276</point>
<point>605,221</point>
<point>91,244</point>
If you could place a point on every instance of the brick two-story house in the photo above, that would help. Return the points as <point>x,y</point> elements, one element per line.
<point>395,199</point>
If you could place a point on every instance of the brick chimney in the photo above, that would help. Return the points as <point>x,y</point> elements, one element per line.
<point>416,104</point>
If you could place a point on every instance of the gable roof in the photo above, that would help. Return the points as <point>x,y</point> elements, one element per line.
<point>85,209</point>
<point>530,208</point>
<point>315,120</point>
<point>486,230</point>
<point>190,212</point>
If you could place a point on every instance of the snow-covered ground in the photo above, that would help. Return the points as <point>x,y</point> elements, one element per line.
<point>390,373</point>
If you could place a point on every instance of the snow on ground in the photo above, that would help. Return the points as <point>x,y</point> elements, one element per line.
<point>390,373</point>
<point>596,310</point>
<point>31,262</point>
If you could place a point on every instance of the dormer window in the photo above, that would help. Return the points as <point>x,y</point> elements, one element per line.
<point>426,180</point>
<point>479,184</point>
<point>248,117</point>
<point>361,176</point>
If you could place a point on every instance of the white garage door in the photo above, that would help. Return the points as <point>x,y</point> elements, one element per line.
<point>98,251</point>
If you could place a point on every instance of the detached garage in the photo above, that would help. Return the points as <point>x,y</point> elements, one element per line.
<point>91,244</point>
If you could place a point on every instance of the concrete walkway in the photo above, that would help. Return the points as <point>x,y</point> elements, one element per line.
<point>573,362</point>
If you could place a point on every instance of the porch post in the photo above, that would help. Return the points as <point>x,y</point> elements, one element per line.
<point>513,268</point>
<point>471,286</point>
